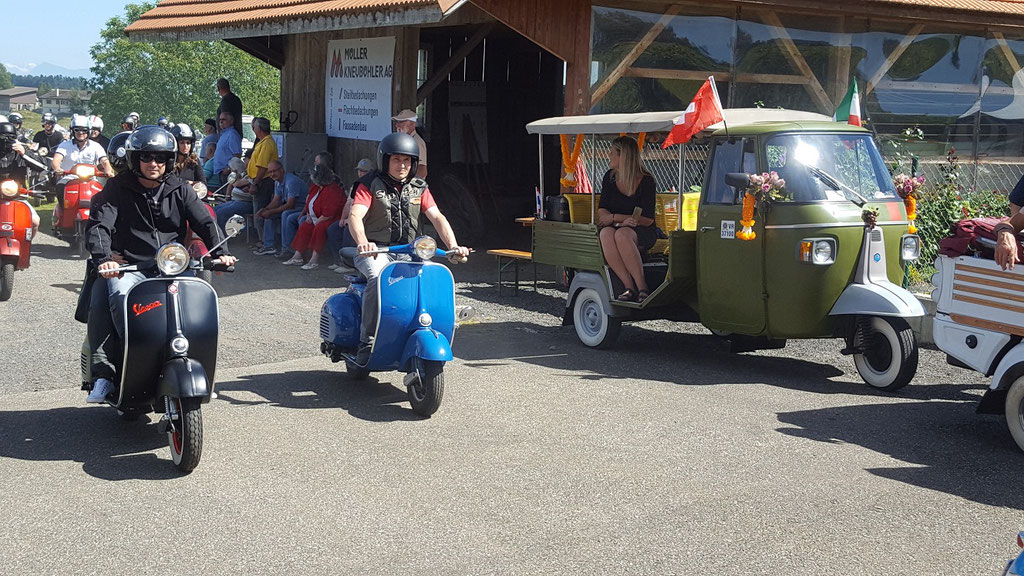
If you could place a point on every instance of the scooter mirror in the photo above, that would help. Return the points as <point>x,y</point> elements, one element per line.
<point>232,177</point>
<point>737,180</point>
<point>234,225</point>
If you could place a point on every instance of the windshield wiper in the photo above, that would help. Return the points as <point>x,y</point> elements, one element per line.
<point>835,184</point>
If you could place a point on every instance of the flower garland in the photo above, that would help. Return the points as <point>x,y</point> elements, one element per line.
<point>907,187</point>
<point>763,188</point>
<point>569,161</point>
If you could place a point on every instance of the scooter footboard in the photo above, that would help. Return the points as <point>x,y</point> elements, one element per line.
<point>428,345</point>
<point>184,378</point>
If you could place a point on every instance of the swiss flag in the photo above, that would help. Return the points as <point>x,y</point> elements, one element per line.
<point>703,111</point>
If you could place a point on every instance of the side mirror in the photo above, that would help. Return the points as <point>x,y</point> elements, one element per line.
<point>200,189</point>
<point>234,225</point>
<point>232,177</point>
<point>738,180</point>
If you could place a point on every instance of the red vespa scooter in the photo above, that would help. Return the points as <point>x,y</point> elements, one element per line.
<point>15,235</point>
<point>70,220</point>
<point>195,245</point>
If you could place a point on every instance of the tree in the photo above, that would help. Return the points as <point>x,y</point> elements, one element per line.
<point>43,89</point>
<point>5,78</point>
<point>174,79</point>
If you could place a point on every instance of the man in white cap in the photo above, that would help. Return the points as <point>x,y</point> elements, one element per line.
<point>405,122</point>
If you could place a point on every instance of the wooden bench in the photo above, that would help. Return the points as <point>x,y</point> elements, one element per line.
<point>508,258</point>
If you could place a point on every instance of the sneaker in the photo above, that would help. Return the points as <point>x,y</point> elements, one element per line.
<point>264,251</point>
<point>342,269</point>
<point>292,262</point>
<point>332,267</point>
<point>311,266</point>
<point>100,390</point>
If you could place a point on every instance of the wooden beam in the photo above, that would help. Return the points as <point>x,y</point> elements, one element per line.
<point>665,74</point>
<point>261,48</point>
<point>460,54</point>
<point>1007,52</point>
<point>599,93</point>
<point>813,87</point>
<point>891,60</point>
<point>947,87</point>
<point>839,61</point>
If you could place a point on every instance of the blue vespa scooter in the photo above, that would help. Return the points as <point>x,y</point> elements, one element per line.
<point>415,325</point>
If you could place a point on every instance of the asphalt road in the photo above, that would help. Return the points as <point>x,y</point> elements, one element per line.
<point>667,455</point>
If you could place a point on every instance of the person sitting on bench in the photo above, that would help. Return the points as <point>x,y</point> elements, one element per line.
<point>626,217</point>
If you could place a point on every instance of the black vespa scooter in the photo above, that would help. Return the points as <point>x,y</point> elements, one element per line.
<point>170,347</point>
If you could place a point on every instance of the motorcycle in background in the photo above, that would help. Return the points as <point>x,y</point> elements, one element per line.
<point>71,219</point>
<point>170,347</point>
<point>15,230</point>
<point>415,328</point>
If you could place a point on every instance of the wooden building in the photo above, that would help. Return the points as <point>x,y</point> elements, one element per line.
<point>478,70</point>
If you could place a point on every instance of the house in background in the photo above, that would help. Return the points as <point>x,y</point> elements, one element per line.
<point>18,98</point>
<point>66,101</point>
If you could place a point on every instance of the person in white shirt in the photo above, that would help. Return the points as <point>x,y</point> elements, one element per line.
<point>78,150</point>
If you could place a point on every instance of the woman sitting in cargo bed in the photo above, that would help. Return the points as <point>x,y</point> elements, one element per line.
<point>626,216</point>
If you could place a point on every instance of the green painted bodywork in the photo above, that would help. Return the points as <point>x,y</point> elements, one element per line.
<point>757,287</point>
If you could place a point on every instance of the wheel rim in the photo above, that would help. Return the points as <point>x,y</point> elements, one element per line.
<point>176,422</point>
<point>879,353</point>
<point>592,318</point>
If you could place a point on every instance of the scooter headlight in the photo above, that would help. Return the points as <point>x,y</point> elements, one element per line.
<point>9,189</point>
<point>84,171</point>
<point>818,251</point>
<point>910,247</point>
<point>200,189</point>
<point>425,247</point>
<point>172,259</point>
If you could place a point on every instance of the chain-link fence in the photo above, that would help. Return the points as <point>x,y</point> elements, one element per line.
<point>664,165</point>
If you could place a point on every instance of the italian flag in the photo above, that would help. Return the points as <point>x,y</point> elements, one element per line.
<point>849,108</point>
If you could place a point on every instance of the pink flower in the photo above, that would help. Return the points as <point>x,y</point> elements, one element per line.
<point>766,187</point>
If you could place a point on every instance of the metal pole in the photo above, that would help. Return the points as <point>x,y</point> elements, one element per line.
<point>679,189</point>
<point>540,150</point>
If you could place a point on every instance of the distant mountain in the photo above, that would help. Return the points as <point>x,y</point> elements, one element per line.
<point>47,69</point>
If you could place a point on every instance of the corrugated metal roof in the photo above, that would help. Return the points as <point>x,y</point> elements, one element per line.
<point>171,15</point>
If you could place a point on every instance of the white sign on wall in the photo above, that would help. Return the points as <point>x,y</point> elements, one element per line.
<point>359,75</point>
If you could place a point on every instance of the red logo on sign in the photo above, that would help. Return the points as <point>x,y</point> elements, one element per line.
<point>139,309</point>
<point>336,64</point>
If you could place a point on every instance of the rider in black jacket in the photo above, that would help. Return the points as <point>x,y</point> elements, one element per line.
<point>137,212</point>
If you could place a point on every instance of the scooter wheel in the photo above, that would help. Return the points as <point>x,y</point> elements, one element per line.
<point>594,327</point>
<point>185,437</point>
<point>1015,411</point>
<point>6,281</point>
<point>889,359</point>
<point>427,389</point>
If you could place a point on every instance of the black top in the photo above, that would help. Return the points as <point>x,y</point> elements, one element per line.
<point>233,105</point>
<point>139,221</point>
<point>101,140</point>
<point>51,141</point>
<point>618,203</point>
<point>13,165</point>
<point>193,172</point>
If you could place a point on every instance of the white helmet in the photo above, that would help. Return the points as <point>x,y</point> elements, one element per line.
<point>79,121</point>
<point>96,123</point>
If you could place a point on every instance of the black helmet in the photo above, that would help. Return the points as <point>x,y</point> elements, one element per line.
<point>49,117</point>
<point>8,134</point>
<point>397,143</point>
<point>16,119</point>
<point>183,132</point>
<point>130,121</point>
<point>116,151</point>
<point>150,139</point>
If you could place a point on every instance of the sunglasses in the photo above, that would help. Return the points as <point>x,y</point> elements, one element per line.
<point>153,157</point>
<point>80,130</point>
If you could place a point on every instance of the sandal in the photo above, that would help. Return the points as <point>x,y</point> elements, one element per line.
<point>627,296</point>
<point>641,296</point>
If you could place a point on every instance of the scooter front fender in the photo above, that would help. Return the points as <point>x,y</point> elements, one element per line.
<point>877,299</point>
<point>184,378</point>
<point>426,344</point>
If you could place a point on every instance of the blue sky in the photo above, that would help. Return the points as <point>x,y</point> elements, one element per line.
<point>76,27</point>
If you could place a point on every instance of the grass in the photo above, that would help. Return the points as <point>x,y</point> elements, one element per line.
<point>34,120</point>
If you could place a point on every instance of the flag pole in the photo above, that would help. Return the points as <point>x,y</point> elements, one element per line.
<point>718,101</point>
